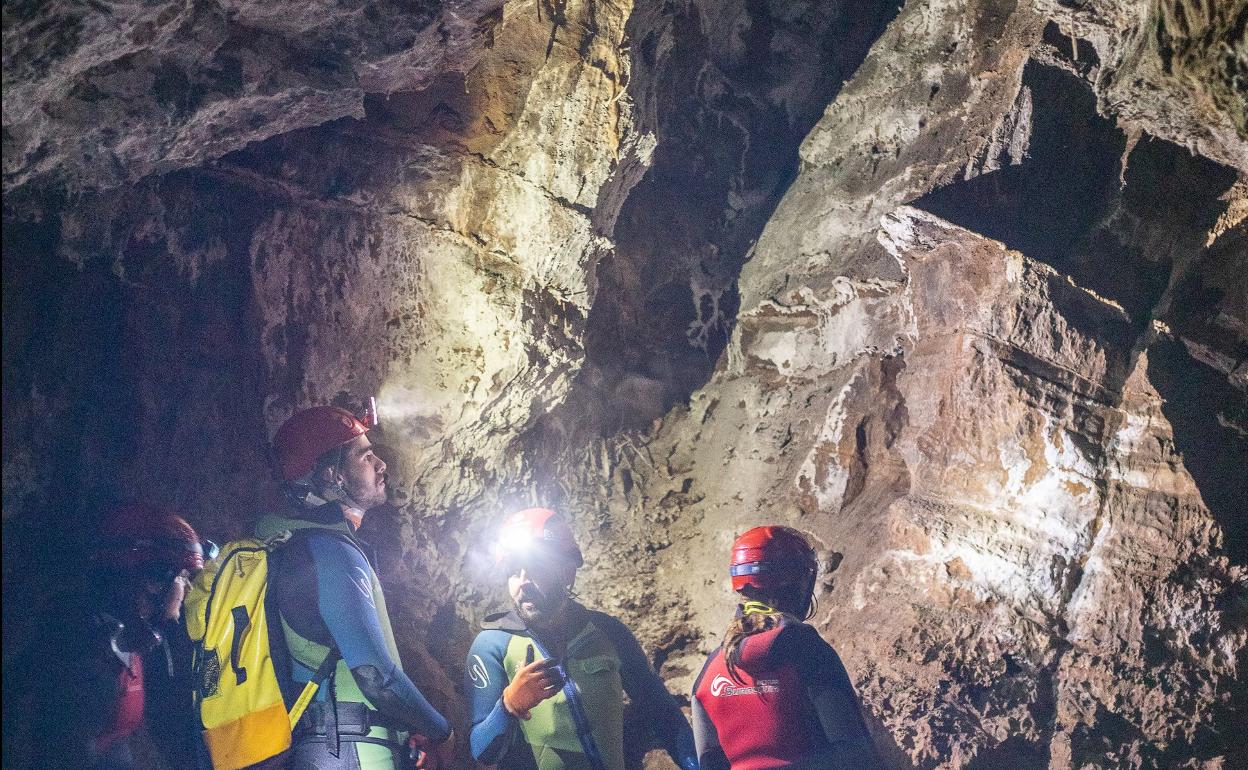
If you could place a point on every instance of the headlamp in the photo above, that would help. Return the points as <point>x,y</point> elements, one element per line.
<point>514,542</point>
<point>370,416</point>
<point>536,533</point>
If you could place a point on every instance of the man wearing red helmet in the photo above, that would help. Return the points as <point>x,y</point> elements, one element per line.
<point>84,687</point>
<point>324,587</point>
<point>775,693</point>
<point>547,679</point>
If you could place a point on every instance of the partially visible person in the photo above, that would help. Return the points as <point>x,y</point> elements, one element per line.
<point>81,693</point>
<point>547,680</point>
<point>168,682</point>
<point>368,715</point>
<point>775,694</point>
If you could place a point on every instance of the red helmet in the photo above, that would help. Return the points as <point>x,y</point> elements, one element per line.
<point>771,557</point>
<point>311,433</point>
<point>538,530</point>
<point>138,537</point>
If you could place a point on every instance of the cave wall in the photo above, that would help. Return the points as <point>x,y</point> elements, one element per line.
<point>434,252</point>
<point>107,94</point>
<point>654,265</point>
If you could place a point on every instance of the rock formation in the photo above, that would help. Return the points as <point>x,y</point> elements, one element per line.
<point>955,286</point>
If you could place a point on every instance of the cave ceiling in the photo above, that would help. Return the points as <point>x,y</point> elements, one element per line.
<point>957,287</point>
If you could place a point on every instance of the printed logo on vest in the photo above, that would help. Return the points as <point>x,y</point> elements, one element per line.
<point>723,687</point>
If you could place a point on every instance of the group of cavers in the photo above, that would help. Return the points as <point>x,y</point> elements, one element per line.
<point>277,651</point>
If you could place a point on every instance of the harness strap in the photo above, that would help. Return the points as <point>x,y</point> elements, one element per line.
<point>394,747</point>
<point>584,731</point>
<point>331,720</point>
<point>328,664</point>
<point>326,672</point>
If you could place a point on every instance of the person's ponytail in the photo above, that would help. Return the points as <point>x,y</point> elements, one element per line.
<point>752,617</point>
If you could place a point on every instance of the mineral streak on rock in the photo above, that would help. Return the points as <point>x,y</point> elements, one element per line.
<point>956,286</point>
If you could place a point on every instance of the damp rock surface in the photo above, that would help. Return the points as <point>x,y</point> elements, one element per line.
<point>956,287</point>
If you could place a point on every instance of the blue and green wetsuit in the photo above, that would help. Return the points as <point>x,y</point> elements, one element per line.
<point>326,591</point>
<point>605,661</point>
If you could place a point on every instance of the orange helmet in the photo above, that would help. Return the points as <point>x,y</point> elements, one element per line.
<point>772,557</point>
<point>311,433</point>
<point>540,531</point>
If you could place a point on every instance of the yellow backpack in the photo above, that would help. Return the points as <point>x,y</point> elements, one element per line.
<point>238,694</point>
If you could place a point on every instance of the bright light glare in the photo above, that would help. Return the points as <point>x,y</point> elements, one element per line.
<point>397,404</point>
<point>515,539</point>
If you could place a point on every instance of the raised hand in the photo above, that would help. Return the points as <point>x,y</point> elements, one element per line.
<point>533,683</point>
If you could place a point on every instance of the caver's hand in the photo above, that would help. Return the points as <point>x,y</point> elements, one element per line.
<point>533,683</point>
<point>174,594</point>
<point>428,755</point>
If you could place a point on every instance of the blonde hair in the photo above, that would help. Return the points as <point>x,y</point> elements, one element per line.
<point>754,616</point>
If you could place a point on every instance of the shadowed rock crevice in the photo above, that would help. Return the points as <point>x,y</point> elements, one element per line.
<point>1088,203</point>
<point>877,473</point>
<point>730,91</point>
<point>1207,413</point>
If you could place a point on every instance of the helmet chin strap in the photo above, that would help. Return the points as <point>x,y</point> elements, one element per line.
<point>309,495</point>
<point>805,611</point>
<point>755,607</point>
<point>812,603</point>
<point>337,492</point>
<point>812,606</point>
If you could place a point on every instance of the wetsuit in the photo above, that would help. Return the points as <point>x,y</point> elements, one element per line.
<point>76,695</point>
<point>169,708</point>
<point>324,589</point>
<point>605,661</point>
<point>790,704</point>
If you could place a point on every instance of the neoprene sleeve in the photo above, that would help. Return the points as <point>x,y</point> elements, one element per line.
<point>344,582</point>
<point>832,695</point>
<point>706,738</point>
<point>648,693</point>
<point>493,729</point>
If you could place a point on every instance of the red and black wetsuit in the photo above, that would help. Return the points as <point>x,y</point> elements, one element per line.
<point>790,705</point>
<point>77,693</point>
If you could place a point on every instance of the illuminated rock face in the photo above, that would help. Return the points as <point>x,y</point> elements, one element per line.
<point>436,253</point>
<point>894,276</point>
<point>984,490</point>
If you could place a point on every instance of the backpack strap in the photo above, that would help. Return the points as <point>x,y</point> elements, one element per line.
<point>323,672</point>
